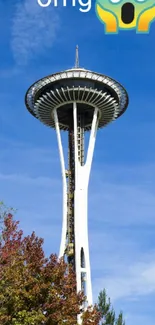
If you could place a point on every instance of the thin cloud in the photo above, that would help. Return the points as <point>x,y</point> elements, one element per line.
<point>24,179</point>
<point>33,30</point>
<point>141,319</point>
<point>137,280</point>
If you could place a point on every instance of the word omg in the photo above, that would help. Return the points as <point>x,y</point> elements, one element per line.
<point>84,6</point>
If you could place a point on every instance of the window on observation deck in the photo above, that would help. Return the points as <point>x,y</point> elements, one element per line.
<point>76,82</point>
<point>73,82</point>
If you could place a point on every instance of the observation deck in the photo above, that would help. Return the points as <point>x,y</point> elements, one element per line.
<point>88,89</point>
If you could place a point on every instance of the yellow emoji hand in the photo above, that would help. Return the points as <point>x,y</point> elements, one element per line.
<point>108,19</point>
<point>145,20</point>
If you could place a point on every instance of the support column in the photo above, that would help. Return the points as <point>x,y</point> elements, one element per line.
<point>82,174</point>
<point>63,171</point>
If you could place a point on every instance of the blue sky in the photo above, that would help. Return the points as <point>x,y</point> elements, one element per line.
<point>36,42</point>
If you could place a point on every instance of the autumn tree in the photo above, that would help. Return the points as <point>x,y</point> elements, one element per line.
<point>4,211</point>
<point>36,290</point>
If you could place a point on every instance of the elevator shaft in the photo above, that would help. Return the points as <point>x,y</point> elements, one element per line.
<point>71,183</point>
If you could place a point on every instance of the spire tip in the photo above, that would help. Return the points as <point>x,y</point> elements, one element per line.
<point>77,57</point>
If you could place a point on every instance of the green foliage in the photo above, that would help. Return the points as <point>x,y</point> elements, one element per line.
<point>107,312</point>
<point>120,320</point>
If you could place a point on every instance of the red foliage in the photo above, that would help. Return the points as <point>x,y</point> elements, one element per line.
<point>34,289</point>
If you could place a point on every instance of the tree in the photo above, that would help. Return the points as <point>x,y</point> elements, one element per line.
<point>4,211</point>
<point>120,320</point>
<point>107,312</point>
<point>35,290</point>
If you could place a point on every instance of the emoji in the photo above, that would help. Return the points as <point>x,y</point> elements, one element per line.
<point>118,15</point>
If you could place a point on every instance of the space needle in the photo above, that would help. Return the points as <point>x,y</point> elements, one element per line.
<point>76,101</point>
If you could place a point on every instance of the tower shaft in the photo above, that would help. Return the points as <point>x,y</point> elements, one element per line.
<point>76,100</point>
<point>74,240</point>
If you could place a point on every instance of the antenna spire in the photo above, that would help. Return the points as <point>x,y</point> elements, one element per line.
<point>77,57</point>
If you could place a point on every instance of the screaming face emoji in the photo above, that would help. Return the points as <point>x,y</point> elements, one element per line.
<point>119,14</point>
